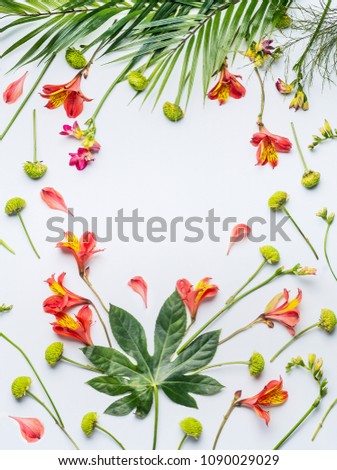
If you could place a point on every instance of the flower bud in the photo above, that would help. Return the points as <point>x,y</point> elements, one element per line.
<point>283,22</point>
<point>54,353</point>
<point>75,58</point>
<point>34,170</point>
<point>237,394</point>
<point>192,427</point>
<point>172,111</point>
<point>15,205</point>
<point>327,320</point>
<point>330,218</point>
<point>322,213</point>
<point>277,200</point>
<point>318,365</point>
<point>298,361</point>
<point>256,364</point>
<point>89,422</point>
<point>5,308</point>
<point>137,80</point>
<point>270,254</point>
<point>310,179</point>
<point>20,386</point>
<point>311,359</point>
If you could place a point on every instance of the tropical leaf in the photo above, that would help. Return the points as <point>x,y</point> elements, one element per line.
<point>137,380</point>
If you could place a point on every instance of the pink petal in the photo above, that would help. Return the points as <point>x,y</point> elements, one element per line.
<point>238,233</point>
<point>138,284</point>
<point>31,428</point>
<point>14,90</point>
<point>54,199</point>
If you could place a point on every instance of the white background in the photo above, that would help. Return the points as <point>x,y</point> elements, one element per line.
<point>167,169</point>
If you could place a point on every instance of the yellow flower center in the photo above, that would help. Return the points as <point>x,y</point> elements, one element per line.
<point>66,321</point>
<point>57,288</point>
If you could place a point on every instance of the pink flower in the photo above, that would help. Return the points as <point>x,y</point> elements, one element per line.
<point>54,199</point>
<point>14,90</point>
<point>193,296</point>
<point>268,145</point>
<point>266,46</point>
<point>138,284</point>
<point>238,233</point>
<point>81,159</point>
<point>72,131</point>
<point>31,428</point>
<point>283,87</point>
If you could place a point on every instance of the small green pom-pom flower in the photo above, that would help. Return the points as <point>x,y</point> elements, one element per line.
<point>75,58</point>
<point>137,80</point>
<point>35,170</point>
<point>310,179</point>
<point>192,427</point>
<point>327,320</point>
<point>284,22</point>
<point>20,386</point>
<point>88,423</point>
<point>15,205</point>
<point>277,200</point>
<point>54,353</point>
<point>256,364</point>
<point>172,111</point>
<point>270,254</point>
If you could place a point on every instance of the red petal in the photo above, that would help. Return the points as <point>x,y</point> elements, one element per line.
<point>138,284</point>
<point>14,90</point>
<point>73,104</point>
<point>238,233</point>
<point>31,428</point>
<point>53,199</point>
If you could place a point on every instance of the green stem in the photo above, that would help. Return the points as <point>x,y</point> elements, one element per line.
<point>227,307</point>
<point>220,365</point>
<point>292,340</point>
<point>300,231</point>
<point>27,234</point>
<point>83,366</point>
<point>224,421</point>
<point>189,326</point>
<point>34,136</point>
<point>111,435</point>
<point>263,98</point>
<point>298,66</point>
<point>156,415</point>
<point>240,330</point>
<point>54,418</point>
<point>102,323</point>
<point>7,247</point>
<point>91,287</point>
<point>326,251</point>
<point>250,279</point>
<point>2,335</point>
<point>31,91</point>
<point>298,146</point>
<point>293,429</point>
<point>182,441</point>
<point>319,427</point>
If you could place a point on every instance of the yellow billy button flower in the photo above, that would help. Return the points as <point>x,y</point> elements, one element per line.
<point>310,179</point>
<point>54,353</point>
<point>270,254</point>
<point>327,320</point>
<point>191,427</point>
<point>137,80</point>
<point>20,386</point>
<point>75,58</point>
<point>172,111</point>
<point>89,422</point>
<point>35,170</point>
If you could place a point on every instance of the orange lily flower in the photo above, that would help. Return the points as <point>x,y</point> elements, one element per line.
<point>287,313</point>
<point>271,395</point>
<point>79,329</point>
<point>64,299</point>
<point>69,94</point>
<point>193,296</point>
<point>82,249</point>
<point>227,86</point>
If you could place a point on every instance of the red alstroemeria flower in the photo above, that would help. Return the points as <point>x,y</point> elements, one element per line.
<point>287,313</point>
<point>79,329</point>
<point>228,85</point>
<point>268,145</point>
<point>82,249</point>
<point>271,395</point>
<point>14,90</point>
<point>64,299</point>
<point>139,285</point>
<point>193,296</point>
<point>31,428</point>
<point>69,94</point>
